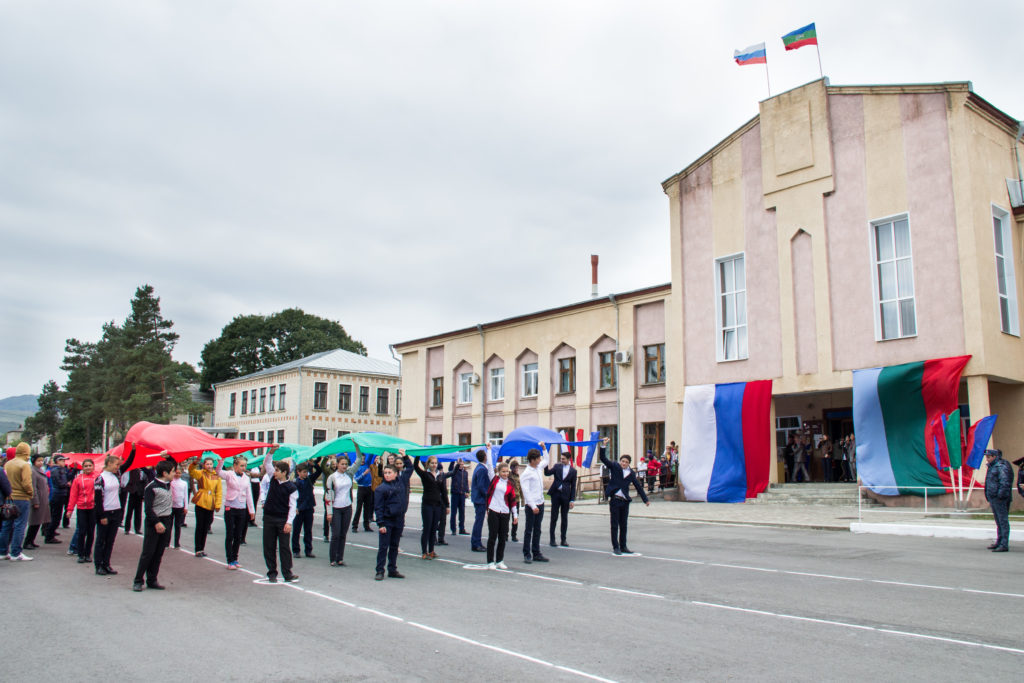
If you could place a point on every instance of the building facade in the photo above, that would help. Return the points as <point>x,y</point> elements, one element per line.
<point>597,365</point>
<point>311,400</point>
<point>851,227</point>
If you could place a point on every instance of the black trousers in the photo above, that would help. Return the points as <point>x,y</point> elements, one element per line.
<point>56,515</point>
<point>30,534</point>
<point>619,508</point>
<point>153,544</point>
<point>1001,513</point>
<point>303,524</point>
<point>106,534</point>
<point>340,519</point>
<point>133,512</point>
<point>204,518</point>
<point>86,520</point>
<point>364,506</point>
<point>497,533</point>
<point>559,511</point>
<point>387,547</point>
<point>236,521</point>
<point>327,526</point>
<point>531,533</point>
<point>178,517</point>
<point>441,522</point>
<point>275,541</point>
<point>432,515</point>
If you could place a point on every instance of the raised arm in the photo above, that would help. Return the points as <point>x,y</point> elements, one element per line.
<point>128,462</point>
<point>602,453</point>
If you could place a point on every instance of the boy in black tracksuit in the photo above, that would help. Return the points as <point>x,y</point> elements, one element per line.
<point>390,501</point>
<point>306,506</point>
<point>156,504</point>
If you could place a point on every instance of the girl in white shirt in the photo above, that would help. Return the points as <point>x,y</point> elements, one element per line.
<point>338,497</point>
<point>501,506</point>
<point>179,503</point>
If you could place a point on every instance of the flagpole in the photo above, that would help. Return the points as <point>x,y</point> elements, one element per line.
<point>818,49</point>
<point>766,78</point>
<point>969,491</point>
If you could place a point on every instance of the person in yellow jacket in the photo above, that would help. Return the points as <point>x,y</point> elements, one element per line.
<point>209,497</point>
<point>12,532</point>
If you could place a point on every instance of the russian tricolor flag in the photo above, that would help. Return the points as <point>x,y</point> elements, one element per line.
<point>726,448</point>
<point>754,54</point>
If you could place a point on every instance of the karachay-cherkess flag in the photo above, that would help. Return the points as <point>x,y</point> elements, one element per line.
<point>805,35</point>
<point>894,409</point>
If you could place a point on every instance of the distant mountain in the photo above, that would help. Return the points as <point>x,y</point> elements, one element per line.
<point>25,404</point>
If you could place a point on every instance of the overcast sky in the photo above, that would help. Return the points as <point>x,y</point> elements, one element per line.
<point>405,168</point>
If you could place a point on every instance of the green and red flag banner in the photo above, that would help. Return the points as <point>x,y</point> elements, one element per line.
<point>805,35</point>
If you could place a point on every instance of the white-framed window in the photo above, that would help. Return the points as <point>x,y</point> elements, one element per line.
<point>319,436</point>
<point>530,376</point>
<point>893,279</point>
<point>263,399</point>
<point>784,426</point>
<point>608,375</point>
<point>280,396</point>
<point>497,384</point>
<point>495,438</point>
<point>231,405</point>
<point>382,401</point>
<point>245,402</point>
<point>320,396</point>
<point>465,388</point>
<point>654,364</point>
<point>273,397</point>
<point>567,375</point>
<point>731,308</point>
<point>1006,276</point>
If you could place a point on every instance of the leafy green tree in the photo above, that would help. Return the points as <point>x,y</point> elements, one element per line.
<point>250,343</point>
<point>48,419</point>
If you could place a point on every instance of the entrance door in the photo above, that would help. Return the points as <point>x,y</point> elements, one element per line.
<point>654,438</point>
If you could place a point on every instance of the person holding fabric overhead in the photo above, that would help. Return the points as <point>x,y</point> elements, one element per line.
<point>501,506</point>
<point>338,494</point>
<point>621,476</point>
<point>532,483</point>
<point>562,493</point>
<point>364,497</point>
<point>482,476</point>
<point>208,498</point>
<point>389,504</point>
<point>459,492</point>
<point>432,505</point>
<point>239,508</point>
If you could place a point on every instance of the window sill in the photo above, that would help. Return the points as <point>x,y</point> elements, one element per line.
<point>496,400</point>
<point>565,393</point>
<point>731,360</point>
<point>1015,335</point>
<point>319,410</point>
<point>895,339</point>
<point>653,384</point>
<point>531,397</point>
<point>599,389</point>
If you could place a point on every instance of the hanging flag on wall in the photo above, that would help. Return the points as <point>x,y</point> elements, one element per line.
<point>726,442</point>
<point>897,419</point>
<point>806,35</point>
<point>755,54</point>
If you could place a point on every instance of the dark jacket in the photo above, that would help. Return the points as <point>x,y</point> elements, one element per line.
<point>307,501</point>
<point>60,483</point>
<point>138,480</point>
<point>460,479</point>
<point>156,501</point>
<point>559,487</point>
<point>389,503</point>
<point>405,479</point>
<point>1020,481</point>
<point>5,484</point>
<point>433,485</point>
<point>617,481</point>
<point>481,483</point>
<point>998,480</point>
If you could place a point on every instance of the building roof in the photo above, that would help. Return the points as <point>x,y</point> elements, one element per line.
<point>602,300</point>
<point>338,359</point>
<point>980,104</point>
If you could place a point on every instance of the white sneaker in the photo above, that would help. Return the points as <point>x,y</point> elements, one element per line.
<point>502,565</point>
<point>5,557</point>
<point>21,558</point>
<point>492,565</point>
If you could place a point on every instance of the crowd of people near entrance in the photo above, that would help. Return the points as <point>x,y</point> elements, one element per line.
<point>814,457</point>
<point>107,492</point>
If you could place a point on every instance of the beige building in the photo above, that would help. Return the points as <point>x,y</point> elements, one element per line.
<point>311,400</point>
<point>202,415</point>
<point>597,365</point>
<point>848,227</point>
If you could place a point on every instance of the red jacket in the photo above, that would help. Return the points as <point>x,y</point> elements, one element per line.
<point>510,493</point>
<point>82,493</point>
<point>653,467</point>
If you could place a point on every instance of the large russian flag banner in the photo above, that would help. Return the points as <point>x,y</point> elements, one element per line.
<point>897,419</point>
<point>726,451</point>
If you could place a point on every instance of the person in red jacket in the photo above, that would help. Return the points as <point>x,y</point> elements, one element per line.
<point>653,471</point>
<point>501,505</point>
<point>83,497</point>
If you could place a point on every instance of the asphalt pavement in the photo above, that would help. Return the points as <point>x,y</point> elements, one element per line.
<point>702,601</point>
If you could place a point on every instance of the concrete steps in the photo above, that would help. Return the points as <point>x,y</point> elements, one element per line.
<point>812,494</point>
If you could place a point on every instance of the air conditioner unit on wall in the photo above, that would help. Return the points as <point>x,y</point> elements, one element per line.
<point>624,357</point>
<point>474,379</point>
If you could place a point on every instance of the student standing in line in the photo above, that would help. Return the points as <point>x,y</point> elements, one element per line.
<point>501,506</point>
<point>108,510</point>
<point>532,481</point>
<point>618,497</point>
<point>481,483</point>
<point>156,504</point>
<point>304,481</point>
<point>279,500</point>
<point>329,467</point>
<point>364,497</point>
<point>83,497</point>
<point>138,479</point>
<point>653,472</point>
<point>179,503</point>
<point>39,515</point>
<point>562,493</point>
<point>431,506</point>
<point>389,503</point>
<point>459,492</point>
<point>239,508</point>
<point>442,521</point>
<point>338,493</point>
<point>208,498</point>
<point>60,488</point>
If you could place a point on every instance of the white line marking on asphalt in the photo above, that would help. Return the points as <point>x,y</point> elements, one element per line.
<point>1009,595</point>
<point>673,559</point>
<point>623,590</point>
<point>859,627</point>
<point>738,566</point>
<point>511,653</point>
<point>381,614</point>
<point>914,585</point>
<point>332,599</point>
<point>823,576</point>
<point>550,578</point>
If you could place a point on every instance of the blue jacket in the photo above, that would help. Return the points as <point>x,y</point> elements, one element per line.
<point>405,479</point>
<point>481,484</point>
<point>998,480</point>
<point>307,501</point>
<point>390,502</point>
<point>363,477</point>
<point>460,480</point>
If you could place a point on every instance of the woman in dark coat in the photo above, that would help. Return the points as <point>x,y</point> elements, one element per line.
<point>39,513</point>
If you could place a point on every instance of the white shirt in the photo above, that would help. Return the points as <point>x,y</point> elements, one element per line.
<point>498,497</point>
<point>532,483</point>
<point>625,475</point>
<point>111,489</point>
<point>179,493</point>
<point>339,488</point>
